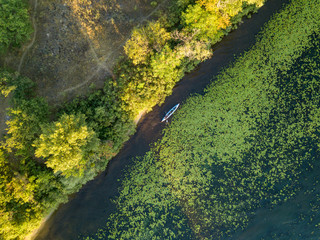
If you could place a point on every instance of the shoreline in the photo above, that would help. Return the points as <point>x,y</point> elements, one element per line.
<point>145,123</point>
<point>35,232</point>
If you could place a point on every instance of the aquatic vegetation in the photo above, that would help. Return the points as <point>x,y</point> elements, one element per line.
<point>70,145</point>
<point>155,215</point>
<point>241,146</point>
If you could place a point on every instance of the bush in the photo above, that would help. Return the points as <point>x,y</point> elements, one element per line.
<point>15,25</point>
<point>22,87</point>
<point>6,86</point>
<point>23,125</point>
<point>144,41</point>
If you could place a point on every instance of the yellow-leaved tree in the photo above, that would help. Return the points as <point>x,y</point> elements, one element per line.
<point>209,19</point>
<point>145,41</point>
<point>67,145</point>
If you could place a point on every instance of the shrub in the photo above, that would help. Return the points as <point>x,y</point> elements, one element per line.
<point>15,25</point>
<point>144,41</point>
<point>24,125</point>
<point>6,86</point>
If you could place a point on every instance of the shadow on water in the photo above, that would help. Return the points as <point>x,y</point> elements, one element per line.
<point>88,209</point>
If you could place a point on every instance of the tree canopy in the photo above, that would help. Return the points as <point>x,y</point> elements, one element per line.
<point>66,144</point>
<point>15,25</point>
<point>6,86</point>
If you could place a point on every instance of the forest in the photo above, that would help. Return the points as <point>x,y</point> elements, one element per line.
<point>247,143</point>
<point>48,153</point>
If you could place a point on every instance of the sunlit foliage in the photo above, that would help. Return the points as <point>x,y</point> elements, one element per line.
<point>157,58</point>
<point>145,41</point>
<point>211,19</point>
<point>27,189</point>
<point>25,115</point>
<point>5,83</point>
<point>23,125</point>
<point>67,144</point>
<point>26,192</point>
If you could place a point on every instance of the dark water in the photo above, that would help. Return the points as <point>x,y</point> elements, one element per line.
<point>293,220</point>
<point>89,208</point>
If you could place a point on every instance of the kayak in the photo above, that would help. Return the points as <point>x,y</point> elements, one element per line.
<point>171,111</point>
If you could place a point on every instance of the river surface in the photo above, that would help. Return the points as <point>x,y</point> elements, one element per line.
<point>88,209</point>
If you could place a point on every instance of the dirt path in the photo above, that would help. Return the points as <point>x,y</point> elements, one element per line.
<point>33,37</point>
<point>102,63</point>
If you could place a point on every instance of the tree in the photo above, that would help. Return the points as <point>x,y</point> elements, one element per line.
<point>144,41</point>
<point>6,83</point>
<point>15,25</point>
<point>207,24</point>
<point>189,47</point>
<point>67,144</point>
<point>137,47</point>
<point>23,125</point>
<point>21,87</point>
<point>211,19</point>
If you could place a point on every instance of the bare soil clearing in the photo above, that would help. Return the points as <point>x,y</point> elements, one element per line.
<point>76,43</point>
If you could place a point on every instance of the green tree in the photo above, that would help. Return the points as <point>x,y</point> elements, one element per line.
<point>67,144</point>
<point>21,87</point>
<point>6,83</point>
<point>15,25</point>
<point>23,125</point>
<point>137,47</point>
<point>205,24</point>
<point>211,19</point>
<point>17,203</point>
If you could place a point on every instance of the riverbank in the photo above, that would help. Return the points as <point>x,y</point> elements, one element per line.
<point>33,234</point>
<point>50,151</point>
<point>247,143</point>
<point>94,196</point>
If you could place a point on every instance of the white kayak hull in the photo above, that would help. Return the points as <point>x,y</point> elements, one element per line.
<point>171,111</point>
